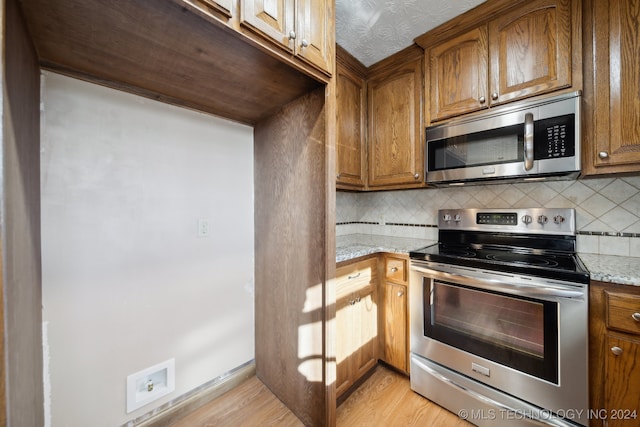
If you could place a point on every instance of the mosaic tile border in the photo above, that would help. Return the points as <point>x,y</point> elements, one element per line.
<point>581,233</point>
<point>607,233</point>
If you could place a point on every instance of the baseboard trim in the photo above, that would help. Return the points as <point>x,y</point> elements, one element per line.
<point>172,411</point>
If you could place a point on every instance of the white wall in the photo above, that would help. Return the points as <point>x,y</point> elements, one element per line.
<point>127,283</point>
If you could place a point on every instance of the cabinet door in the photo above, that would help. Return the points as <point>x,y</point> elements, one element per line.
<point>314,38</point>
<point>221,6</point>
<point>613,122</point>
<point>622,373</point>
<point>458,74</point>
<point>395,127</point>
<point>395,331</point>
<point>273,18</point>
<point>344,343</point>
<point>530,50</point>
<point>350,132</point>
<point>365,322</point>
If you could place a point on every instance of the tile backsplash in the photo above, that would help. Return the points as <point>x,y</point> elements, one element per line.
<point>607,209</point>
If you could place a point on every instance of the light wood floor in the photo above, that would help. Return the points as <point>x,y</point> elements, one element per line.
<point>385,399</point>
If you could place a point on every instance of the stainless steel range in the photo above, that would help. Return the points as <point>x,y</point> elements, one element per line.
<point>499,318</point>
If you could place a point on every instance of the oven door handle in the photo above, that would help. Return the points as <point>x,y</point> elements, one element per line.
<point>502,286</point>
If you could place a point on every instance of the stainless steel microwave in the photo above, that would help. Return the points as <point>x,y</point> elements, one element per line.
<point>526,141</point>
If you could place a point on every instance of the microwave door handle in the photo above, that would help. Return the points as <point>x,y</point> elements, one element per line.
<point>528,141</point>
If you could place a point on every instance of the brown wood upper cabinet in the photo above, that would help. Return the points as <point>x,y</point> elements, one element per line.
<point>458,74</point>
<point>301,27</point>
<point>351,115</point>
<point>611,121</point>
<point>395,127</point>
<point>525,51</point>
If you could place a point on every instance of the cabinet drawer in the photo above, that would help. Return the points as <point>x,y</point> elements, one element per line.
<point>355,277</point>
<point>623,312</point>
<point>396,270</point>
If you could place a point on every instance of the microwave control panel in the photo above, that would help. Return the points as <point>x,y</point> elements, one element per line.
<point>554,137</point>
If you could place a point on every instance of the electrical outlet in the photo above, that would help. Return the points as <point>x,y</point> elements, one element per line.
<point>203,227</point>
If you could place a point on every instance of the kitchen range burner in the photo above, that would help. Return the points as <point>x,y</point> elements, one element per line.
<point>507,241</point>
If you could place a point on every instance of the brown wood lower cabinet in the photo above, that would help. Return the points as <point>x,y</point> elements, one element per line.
<point>395,326</point>
<point>356,321</point>
<point>614,352</point>
<point>395,306</point>
<point>371,317</point>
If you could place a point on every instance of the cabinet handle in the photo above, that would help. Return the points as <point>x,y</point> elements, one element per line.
<point>616,350</point>
<point>494,95</point>
<point>482,100</point>
<point>400,293</point>
<point>352,302</point>
<point>603,155</point>
<point>292,35</point>
<point>355,276</point>
<point>338,176</point>
<point>304,43</point>
<point>358,299</point>
<point>636,317</point>
<point>416,176</point>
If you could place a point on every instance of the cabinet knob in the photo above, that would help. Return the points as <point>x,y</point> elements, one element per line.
<point>616,350</point>
<point>416,176</point>
<point>400,293</point>
<point>292,35</point>
<point>603,155</point>
<point>636,317</point>
<point>304,43</point>
<point>338,176</point>
<point>394,269</point>
<point>494,95</point>
<point>352,302</point>
<point>482,100</point>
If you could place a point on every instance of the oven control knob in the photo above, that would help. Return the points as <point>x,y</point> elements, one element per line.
<point>558,219</point>
<point>446,217</point>
<point>457,218</point>
<point>542,219</point>
<point>527,219</point>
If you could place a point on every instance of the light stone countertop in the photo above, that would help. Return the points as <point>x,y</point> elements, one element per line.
<point>352,246</point>
<point>604,268</point>
<point>612,269</point>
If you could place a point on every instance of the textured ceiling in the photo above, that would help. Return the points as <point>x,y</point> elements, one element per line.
<point>371,30</point>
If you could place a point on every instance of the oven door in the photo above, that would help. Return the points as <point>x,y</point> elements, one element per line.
<point>515,331</point>
<point>524,336</point>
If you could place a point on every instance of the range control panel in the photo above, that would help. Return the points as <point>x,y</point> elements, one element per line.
<point>529,221</point>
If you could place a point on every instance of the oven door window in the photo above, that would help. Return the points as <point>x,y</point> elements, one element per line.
<point>518,332</point>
